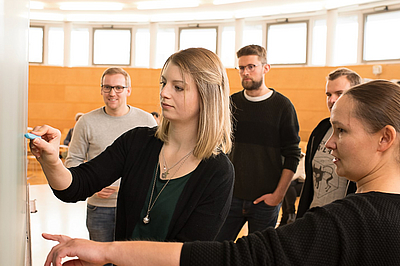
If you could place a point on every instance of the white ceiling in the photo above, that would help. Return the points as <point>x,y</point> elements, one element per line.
<point>205,11</point>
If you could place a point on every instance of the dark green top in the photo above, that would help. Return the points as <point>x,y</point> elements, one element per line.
<point>162,211</point>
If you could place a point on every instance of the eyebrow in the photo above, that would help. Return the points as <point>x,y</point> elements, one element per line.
<point>175,80</point>
<point>335,122</point>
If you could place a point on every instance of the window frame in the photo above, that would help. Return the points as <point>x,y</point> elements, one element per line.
<point>198,27</point>
<point>131,48</point>
<point>365,15</point>
<point>43,42</point>
<point>307,22</point>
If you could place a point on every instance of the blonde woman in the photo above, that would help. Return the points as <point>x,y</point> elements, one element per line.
<point>360,229</point>
<point>176,180</point>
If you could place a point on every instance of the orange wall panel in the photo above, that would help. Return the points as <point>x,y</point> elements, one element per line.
<point>56,94</point>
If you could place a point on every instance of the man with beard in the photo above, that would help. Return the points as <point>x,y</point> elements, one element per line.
<point>266,147</point>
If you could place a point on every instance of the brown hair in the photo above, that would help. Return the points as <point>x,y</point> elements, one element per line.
<point>209,75</point>
<point>351,76</point>
<point>114,71</point>
<point>377,104</point>
<point>253,49</point>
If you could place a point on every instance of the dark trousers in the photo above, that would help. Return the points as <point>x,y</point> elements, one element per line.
<point>288,205</point>
<point>258,217</point>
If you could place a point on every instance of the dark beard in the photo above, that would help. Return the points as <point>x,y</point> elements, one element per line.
<point>255,85</point>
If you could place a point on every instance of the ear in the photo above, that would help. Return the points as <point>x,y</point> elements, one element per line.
<point>266,68</point>
<point>387,138</point>
<point>128,91</point>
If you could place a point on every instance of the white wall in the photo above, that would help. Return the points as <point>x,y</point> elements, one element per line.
<point>14,25</point>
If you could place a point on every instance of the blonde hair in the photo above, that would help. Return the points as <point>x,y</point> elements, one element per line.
<point>114,71</point>
<point>214,128</point>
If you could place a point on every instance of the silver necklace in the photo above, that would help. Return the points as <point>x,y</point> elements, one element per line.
<point>165,166</point>
<point>146,219</point>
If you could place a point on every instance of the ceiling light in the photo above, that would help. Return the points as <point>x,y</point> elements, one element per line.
<point>91,6</point>
<point>44,16</point>
<point>107,18</point>
<point>36,5</point>
<point>331,4</point>
<point>223,2</point>
<point>279,9</point>
<point>167,4</point>
<point>195,16</point>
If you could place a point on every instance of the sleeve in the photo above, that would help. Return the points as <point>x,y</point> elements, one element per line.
<point>99,172</point>
<point>79,145</point>
<point>301,243</point>
<point>210,212</point>
<point>290,139</point>
<point>307,192</point>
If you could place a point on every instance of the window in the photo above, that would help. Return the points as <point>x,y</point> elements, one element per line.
<point>228,46</point>
<point>252,35</point>
<point>56,46</point>
<point>112,47</point>
<point>287,43</point>
<point>142,48</point>
<point>381,36</point>
<point>319,43</point>
<point>36,44</point>
<point>165,45</point>
<point>346,41</point>
<point>198,37</point>
<point>80,47</point>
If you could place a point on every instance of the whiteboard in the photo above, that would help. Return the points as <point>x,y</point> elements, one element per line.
<point>14,26</point>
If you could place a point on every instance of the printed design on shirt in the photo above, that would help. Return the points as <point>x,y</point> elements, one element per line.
<point>324,175</point>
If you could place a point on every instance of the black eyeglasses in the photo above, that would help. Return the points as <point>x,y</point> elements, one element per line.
<point>108,88</point>
<point>249,67</point>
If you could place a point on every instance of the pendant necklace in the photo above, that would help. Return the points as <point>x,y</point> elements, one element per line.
<point>165,166</point>
<point>146,219</point>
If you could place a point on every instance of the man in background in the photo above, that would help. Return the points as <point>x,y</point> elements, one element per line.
<point>93,133</point>
<point>266,147</point>
<point>322,185</point>
<point>67,139</point>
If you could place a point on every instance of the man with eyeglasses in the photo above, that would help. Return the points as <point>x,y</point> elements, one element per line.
<point>93,133</point>
<point>266,147</point>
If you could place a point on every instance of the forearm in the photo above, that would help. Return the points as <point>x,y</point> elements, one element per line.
<point>58,177</point>
<point>284,183</point>
<point>144,253</point>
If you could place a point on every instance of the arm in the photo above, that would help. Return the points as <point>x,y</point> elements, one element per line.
<point>119,253</point>
<point>78,152</point>
<point>273,199</point>
<point>290,150</point>
<point>46,151</point>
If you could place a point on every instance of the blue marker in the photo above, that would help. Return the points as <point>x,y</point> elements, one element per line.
<point>31,136</point>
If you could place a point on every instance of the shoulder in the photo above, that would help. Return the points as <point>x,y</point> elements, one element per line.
<point>141,132</point>
<point>322,126</point>
<point>279,97</point>
<point>95,112</point>
<point>218,163</point>
<point>138,111</point>
<point>237,95</point>
<point>360,204</point>
<point>91,116</point>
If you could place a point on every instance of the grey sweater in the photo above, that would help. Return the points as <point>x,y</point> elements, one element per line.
<point>94,132</point>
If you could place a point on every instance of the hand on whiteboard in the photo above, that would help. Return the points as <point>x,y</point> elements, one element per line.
<point>45,148</point>
<point>89,253</point>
